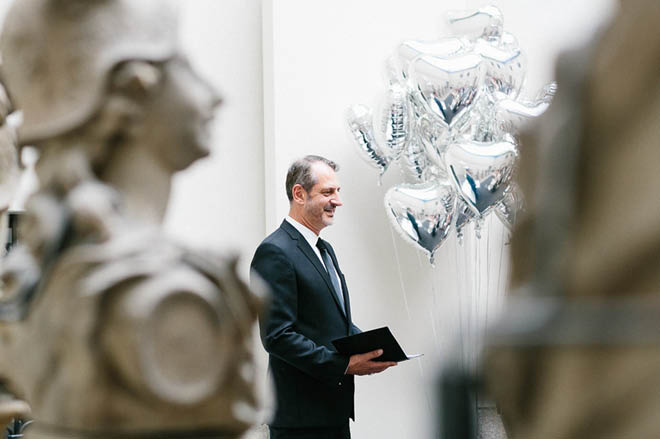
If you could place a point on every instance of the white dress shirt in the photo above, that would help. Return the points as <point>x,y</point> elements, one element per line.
<point>311,238</point>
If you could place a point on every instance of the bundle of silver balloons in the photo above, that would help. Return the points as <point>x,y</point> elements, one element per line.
<point>450,115</point>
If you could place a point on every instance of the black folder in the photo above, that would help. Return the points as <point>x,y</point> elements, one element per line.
<point>368,341</point>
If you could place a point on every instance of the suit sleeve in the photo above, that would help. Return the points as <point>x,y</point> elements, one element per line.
<point>278,333</point>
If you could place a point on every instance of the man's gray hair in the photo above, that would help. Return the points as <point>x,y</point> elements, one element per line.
<point>300,172</point>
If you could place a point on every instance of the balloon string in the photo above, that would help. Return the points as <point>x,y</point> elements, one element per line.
<point>459,293</point>
<point>501,286</point>
<point>435,332</point>
<point>426,388</point>
<point>434,292</point>
<point>398,266</point>
<point>477,304</point>
<point>499,268</point>
<point>405,301</point>
<point>469,264</point>
<point>467,292</point>
<point>507,268</point>
<point>489,291</point>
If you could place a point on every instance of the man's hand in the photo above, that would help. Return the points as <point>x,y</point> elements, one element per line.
<point>362,364</point>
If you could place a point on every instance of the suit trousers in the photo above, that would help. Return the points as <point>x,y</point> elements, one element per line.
<point>342,432</point>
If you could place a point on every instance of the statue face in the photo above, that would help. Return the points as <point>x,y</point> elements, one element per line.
<point>179,115</point>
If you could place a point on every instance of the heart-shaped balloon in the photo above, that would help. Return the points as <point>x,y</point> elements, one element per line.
<point>509,42</point>
<point>414,160</point>
<point>360,125</point>
<point>511,114</point>
<point>481,172</point>
<point>435,139</point>
<point>447,86</point>
<point>483,120</point>
<point>423,214</point>
<point>510,206</point>
<point>463,217</point>
<point>395,70</point>
<point>485,23</point>
<point>504,70</point>
<point>392,127</point>
<point>416,165</point>
<point>408,51</point>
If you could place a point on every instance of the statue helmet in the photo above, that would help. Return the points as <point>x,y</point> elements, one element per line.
<point>57,55</point>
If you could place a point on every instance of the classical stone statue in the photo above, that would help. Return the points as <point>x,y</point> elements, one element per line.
<point>109,329</point>
<point>10,407</point>
<point>8,163</point>
<point>579,355</point>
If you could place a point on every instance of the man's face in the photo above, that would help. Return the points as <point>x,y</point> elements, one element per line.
<point>322,199</point>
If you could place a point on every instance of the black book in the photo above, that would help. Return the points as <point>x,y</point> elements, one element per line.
<point>368,341</point>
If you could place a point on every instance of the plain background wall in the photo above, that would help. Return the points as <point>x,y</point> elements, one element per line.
<point>218,202</point>
<point>319,57</point>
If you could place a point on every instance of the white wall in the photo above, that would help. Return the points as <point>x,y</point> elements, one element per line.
<point>218,202</point>
<point>324,56</point>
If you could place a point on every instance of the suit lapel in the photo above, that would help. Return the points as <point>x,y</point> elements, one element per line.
<point>304,247</point>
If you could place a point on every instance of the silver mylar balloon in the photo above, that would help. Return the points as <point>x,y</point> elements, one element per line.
<point>447,86</point>
<point>510,114</point>
<point>435,139</point>
<point>483,122</point>
<point>360,125</point>
<point>423,214</point>
<point>408,51</point>
<point>481,172</point>
<point>504,70</point>
<point>510,206</point>
<point>509,42</point>
<point>463,216</point>
<point>547,93</point>
<point>417,104</point>
<point>415,162</point>
<point>417,166</point>
<point>486,23</point>
<point>521,109</point>
<point>395,70</point>
<point>392,127</point>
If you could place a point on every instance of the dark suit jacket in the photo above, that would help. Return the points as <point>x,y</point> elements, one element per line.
<point>304,317</point>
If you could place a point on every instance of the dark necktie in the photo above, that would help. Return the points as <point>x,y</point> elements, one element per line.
<point>332,271</point>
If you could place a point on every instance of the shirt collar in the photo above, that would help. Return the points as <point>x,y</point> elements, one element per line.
<point>309,236</point>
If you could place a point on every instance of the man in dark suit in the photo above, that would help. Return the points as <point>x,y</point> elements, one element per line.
<point>310,308</point>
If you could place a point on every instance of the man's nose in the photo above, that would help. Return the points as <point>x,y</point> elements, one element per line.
<point>336,200</point>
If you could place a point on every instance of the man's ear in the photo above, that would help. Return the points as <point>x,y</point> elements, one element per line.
<point>299,194</point>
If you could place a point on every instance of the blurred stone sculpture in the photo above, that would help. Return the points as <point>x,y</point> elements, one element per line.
<point>8,163</point>
<point>10,407</point>
<point>110,330</point>
<point>578,352</point>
